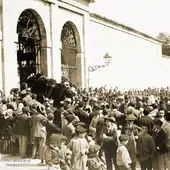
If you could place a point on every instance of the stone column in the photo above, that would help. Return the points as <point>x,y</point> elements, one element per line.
<point>85,55</point>
<point>56,43</point>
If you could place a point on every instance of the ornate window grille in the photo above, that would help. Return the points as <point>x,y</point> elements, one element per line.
<point>68,36</point>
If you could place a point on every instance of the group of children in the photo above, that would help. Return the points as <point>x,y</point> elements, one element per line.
<point>83,154</point>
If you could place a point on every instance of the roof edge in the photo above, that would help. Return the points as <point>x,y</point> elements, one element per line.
<point>97,16</point>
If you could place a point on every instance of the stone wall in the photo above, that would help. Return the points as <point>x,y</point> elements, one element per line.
<point>135,61</point>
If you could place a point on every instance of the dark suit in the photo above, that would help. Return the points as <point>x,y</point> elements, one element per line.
<point>83,116</point>
<point>110,145</point>
<point>22,130</point>
<point>52,128</point>
<point>57,116</point>
<point>159,137</point>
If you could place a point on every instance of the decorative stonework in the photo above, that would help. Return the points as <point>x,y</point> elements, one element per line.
<point>67,36</point>
<point>28,26</point>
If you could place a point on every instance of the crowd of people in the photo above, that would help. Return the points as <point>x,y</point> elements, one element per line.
<point>96,129</point>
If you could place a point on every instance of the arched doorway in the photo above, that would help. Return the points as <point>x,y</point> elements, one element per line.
<point>71,66</point>
<point>29,44</point>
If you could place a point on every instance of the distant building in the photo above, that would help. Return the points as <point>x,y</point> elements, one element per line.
<point>61,37</point>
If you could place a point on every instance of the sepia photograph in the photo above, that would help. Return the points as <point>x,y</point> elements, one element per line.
<point>84,85</point>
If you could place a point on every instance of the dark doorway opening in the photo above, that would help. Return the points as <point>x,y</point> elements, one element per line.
<point>29,45</point>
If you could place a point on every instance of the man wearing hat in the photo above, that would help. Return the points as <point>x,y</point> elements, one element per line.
<point>38,124</point>
<point>83,115</point>
<point>145,149</point>
<point>22,130</point>
<point>130,122</point>
<point>109,140</point>
<point>95,119</point>
<point>79,147</point>
<point>159,137</point>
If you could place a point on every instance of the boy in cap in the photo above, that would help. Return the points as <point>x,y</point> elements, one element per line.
<point>65,154</point>
<point>123,158</point>
<point>52,155</point>
<point>94,162</point>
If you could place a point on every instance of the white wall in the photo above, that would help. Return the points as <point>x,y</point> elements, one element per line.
<point>11,13</point>
<point>54,16</point>
<point>135,61</point>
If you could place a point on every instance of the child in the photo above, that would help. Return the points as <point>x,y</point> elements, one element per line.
<point>52,155</point>
<point>94,162</point>
<point>131,146</point>
<point>79,147</point>
<point>123,158</point>
<point>65,154</point>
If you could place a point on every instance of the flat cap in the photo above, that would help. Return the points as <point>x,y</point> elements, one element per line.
<point>123,137</point>
<point>94,149</point>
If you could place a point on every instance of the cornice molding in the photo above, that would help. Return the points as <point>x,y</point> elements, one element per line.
<point>50,1</point>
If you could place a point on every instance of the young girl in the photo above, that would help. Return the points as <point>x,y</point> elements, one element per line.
<point>79,147</point>
<point>94,162</point>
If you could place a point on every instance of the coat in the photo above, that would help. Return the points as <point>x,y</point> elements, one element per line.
<point>82,115</point>
<point>159,137</point>
<point>95,164</point>
<point>52,155</point>
<point>131,149</point>
<point>145,147</point>
<point>110,142</point>
<point>37,125</point>
<point>22,125</point>
<point>166,128</point>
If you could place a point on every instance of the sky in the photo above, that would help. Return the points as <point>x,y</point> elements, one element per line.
<point>147,16</point>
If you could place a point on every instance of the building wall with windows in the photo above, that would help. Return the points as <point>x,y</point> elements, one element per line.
<point>61,37</point>
<point>50,16</point>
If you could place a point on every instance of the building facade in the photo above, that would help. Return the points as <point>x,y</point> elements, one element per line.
<point>61,37</point>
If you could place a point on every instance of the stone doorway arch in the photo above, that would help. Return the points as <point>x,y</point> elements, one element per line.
<point>32,43</point>
<point>70,53</point>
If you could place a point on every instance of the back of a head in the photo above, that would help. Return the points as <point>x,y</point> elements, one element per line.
<point>81,104</point>
<point>50,116</point>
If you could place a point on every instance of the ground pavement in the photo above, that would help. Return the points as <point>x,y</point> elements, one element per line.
<point>8,162</point>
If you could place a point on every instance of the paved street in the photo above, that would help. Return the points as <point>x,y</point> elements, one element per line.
<point>15,163</point>
<point>7,162</point>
